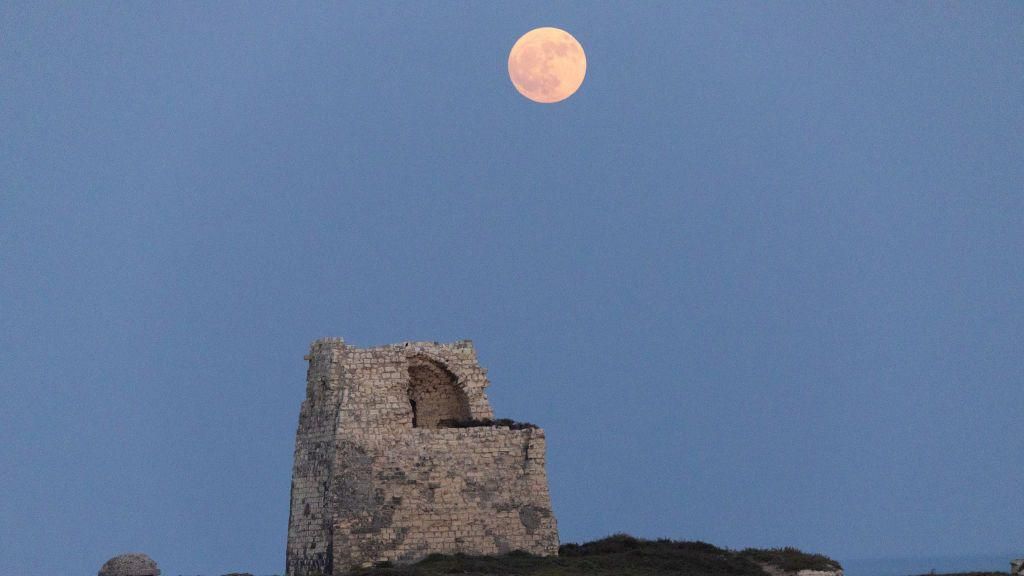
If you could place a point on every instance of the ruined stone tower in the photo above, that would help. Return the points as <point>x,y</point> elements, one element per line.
<point>379,477</point>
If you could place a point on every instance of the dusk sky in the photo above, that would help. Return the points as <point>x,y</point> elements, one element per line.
<point>761,279</point>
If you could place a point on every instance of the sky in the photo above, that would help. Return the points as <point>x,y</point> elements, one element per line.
<point>761,280</point>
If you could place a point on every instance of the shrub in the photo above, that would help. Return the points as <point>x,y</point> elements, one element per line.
<point>616,555</point>
<point>790,559</point>
<point>486,423</point>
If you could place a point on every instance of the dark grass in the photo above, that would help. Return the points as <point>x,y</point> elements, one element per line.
<point>790,559</point>
<point>486,422</point>
<point>619,555</point>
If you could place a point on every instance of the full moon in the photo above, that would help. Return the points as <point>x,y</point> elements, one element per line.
<point>547,65</point>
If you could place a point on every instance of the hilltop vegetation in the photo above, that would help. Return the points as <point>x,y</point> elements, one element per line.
<point>968,574</point>
<point>619,555</point>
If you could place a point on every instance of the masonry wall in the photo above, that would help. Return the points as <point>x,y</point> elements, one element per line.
<point>471,490</point>
<point>377,478</point>
<point>310,519</point>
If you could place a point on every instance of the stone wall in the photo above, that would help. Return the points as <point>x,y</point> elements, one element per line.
<point>309,522</point>
<point>376,479</point>
<point>471,490</point>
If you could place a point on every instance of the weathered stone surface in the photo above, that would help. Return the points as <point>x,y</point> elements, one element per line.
<point>130,565</point>
<point>776,571</point>
<point>377,479</point>
<point>820,573</point>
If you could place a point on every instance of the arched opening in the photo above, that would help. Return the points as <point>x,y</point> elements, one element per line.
<point>434,394</point>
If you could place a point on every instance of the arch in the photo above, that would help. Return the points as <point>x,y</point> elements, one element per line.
<point>434,394</point>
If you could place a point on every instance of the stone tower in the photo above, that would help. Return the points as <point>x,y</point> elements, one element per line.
<point>379,477</point>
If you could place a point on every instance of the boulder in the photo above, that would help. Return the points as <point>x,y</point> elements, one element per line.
<point>130,565</point>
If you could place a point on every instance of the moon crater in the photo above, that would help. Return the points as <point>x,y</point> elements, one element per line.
<point>547,65</point>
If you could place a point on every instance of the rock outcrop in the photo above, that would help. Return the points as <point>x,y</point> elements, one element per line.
<point>134,564</point>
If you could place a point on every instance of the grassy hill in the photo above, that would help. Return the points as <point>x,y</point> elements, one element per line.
<point>619,555</point>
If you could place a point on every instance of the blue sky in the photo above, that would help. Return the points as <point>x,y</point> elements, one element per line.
<point>761,279</point>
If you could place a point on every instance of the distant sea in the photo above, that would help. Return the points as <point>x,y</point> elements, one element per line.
<point>925,564</point>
